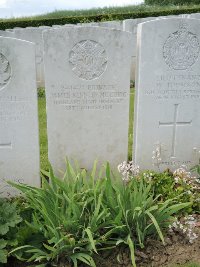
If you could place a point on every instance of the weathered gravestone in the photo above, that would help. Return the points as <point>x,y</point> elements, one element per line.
<point>6,33</point>
<point>44,27</point>
<point>194,16</point>
<point>86,24</point>
<point>167,113</point>
<point>130,25</point>
<point>87,89</point>
<point>115,24</point>
<point>34,35</point>
<point>186,16</point>
<point>19,144</point>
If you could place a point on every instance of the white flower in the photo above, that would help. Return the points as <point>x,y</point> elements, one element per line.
<point>156,155</point>
<point>128,169</point>
<point>176,179</point>
<point>186,228</point>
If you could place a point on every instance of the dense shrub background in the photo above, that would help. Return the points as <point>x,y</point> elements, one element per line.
<point>171,2</point>
<point>142,12</point>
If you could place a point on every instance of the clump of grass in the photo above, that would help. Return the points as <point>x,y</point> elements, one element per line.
<point>86,212</point>
<point>44,164</point>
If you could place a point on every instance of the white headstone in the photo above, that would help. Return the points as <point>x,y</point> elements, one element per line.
<point>130,25</point>
<point>167,109</point>
<point>188,16</point>
<point>168,17</point>
<point>86,24</point>
<point>56,26</point>
<point>34,35</point>
<point>19,142</point>
<point>87,89</point>
<point>44,27</point>
<point>194,16</point>
<point>115,24</point>
<point>6,34</point>
<point>9,30</point>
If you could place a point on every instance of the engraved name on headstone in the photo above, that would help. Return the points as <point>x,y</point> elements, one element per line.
<point>87,88</point>
<point>167,94</point>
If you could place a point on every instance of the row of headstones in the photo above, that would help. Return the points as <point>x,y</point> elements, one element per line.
<point>34,34</point>
<point>87,77</point>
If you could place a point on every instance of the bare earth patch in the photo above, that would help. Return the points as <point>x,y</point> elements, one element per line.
<point>177,251</point>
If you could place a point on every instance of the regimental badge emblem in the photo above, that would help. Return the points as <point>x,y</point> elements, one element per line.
<point>88,59</point>
<point>5,71</point>
<point>181,49</point>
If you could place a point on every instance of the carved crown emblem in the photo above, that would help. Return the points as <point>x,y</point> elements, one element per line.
<point>88,59</point>
<point>5,71</point>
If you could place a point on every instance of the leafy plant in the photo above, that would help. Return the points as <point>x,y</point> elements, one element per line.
<point>69,216</point>
<point>171,2</point>
<point>9,218</point>
<point>170,186</point>
<point>135,206</point>
<point>86,212</point>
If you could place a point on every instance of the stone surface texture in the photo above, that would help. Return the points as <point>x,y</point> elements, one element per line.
<point>167,98</point>
<point>34,35</point>
<point>19,141</point>
<point>6,34</point>
<point>130,25</point>
<point>87,89</point>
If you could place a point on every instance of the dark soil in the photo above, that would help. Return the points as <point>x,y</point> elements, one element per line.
<point>176,251</point>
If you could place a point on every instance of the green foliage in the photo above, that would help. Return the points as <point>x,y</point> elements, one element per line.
<point>135,207</point>
<point>60,18</point>
<point>44,164</point>
<point>196,169</point>
<point>9,218</point>
<point>41,92</point>
<point>69,215</point>
<point>131,119</point>
<point>85,212</point>
<point>164,184</point>
<point>172,2</point>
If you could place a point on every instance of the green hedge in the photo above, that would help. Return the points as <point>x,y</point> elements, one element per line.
<point>9,24</point>
<point>172,2</point>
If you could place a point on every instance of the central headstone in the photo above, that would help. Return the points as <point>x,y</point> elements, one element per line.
<point>167,114</point>
<point>87,71</point>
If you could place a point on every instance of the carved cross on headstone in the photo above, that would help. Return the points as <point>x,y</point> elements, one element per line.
<point>174,124</point>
